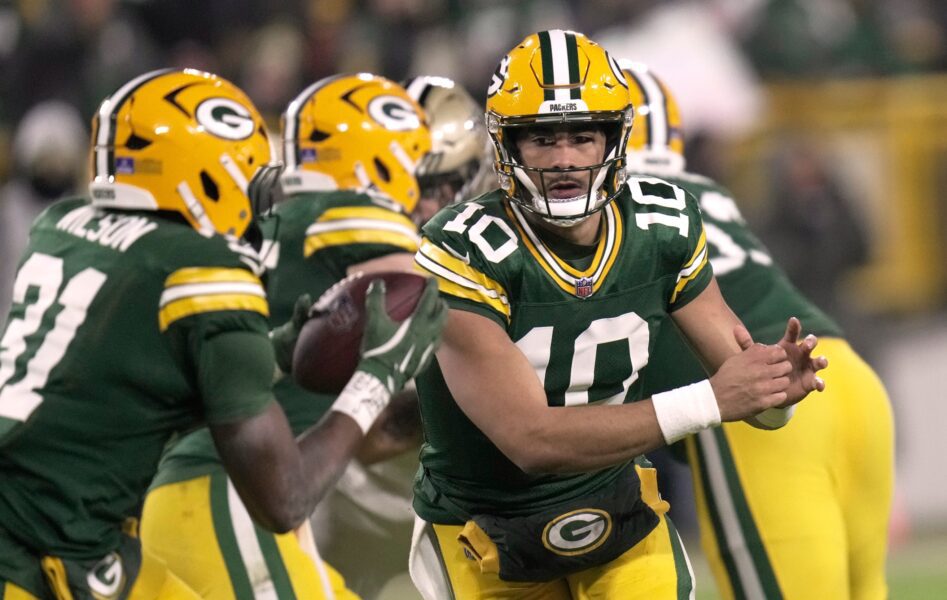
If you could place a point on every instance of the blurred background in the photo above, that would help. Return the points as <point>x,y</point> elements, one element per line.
<point>827,118</point>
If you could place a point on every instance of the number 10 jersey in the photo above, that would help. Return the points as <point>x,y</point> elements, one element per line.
<point>587,332</point>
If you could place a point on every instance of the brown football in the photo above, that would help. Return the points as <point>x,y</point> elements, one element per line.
<point>328,349</point>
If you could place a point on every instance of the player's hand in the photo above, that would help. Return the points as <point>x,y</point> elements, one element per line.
<point>395,352</point>
<point>803,378</point>
<point>284,337</point>
<point>753,380</point>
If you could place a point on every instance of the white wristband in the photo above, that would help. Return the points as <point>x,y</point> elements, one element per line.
<point>363,399</point>
<point>686,410</point>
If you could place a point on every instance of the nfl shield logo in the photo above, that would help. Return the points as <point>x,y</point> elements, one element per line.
<point>124,165</point>
<point>583,287</point>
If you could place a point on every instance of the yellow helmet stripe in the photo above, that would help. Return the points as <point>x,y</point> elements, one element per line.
<point>104,135</point>
<point>291,120</point>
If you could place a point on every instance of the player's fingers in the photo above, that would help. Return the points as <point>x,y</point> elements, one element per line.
<point>779,369</point>
<point>375,297</point>
<point>301,309</point>
<point>820,362</point>
<point>819,384</point>
<point>777,384</point>
<point>793,328</point>
<point>742,336</point>
<point>775,354</point>
<point>427,305</point>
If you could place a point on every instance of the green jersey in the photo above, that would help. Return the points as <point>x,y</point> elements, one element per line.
<point>311,241</point>
<point>100,367</point>
<point>587,332</point>
<point>757,290</point>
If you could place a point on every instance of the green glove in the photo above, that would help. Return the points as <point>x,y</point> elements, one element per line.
<point>284,337</point>
<point>395,352</point>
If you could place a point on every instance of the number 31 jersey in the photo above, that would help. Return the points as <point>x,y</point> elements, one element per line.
<point>586,332</point>
<point>100,366</point>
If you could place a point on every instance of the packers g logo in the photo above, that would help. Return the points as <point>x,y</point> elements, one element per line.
<point>577,532</point>
<point>394,113</point>
<point>107,578</point>
<point>225,118</point>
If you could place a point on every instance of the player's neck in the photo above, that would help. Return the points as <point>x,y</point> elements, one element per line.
<point>585,233</point>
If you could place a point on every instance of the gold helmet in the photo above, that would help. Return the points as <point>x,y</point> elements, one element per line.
<point>457,166</point>
<point>183,141</point>
<point>657,139</point>
<point>360,132</point>
<point>555,77</point>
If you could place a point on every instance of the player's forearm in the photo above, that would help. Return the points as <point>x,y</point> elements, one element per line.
<point>587,438</point>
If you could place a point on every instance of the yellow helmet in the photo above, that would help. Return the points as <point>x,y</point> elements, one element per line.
<point>359,132</point>
<point>457,166</point>
<point>554,77</point>
<point>183,141</point>
<point>657,139</point>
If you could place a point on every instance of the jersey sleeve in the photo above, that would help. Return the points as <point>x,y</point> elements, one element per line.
<point>695,272</point>
<point>467,279</point>
<point>220,295</point>
<point>359,232</point>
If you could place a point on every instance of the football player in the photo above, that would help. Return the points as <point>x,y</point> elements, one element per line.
<point>797,513</point>
<point>368,514</point>
<point>140,314</point>
<point>532,412</point>
<point>352,144</point>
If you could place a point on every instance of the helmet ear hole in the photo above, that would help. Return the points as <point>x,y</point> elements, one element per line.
<point>383,171</point>
<point>210,187</point>
<point>318,136</point>
<point>135,142</point>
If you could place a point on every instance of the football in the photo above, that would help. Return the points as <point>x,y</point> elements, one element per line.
<point>327,350</point>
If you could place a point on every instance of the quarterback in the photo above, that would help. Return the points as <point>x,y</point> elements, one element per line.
<point>797,513</point>
<point>139,315</point>
<point>533,412</point>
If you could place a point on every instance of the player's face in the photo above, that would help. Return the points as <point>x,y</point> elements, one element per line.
<point>561,147</point>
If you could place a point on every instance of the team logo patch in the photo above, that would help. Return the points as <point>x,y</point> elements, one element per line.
<point>225,118</point>
<point>124,165</point>
<point>577,532</point>
<point>106,580</point>
<point>394,113</point>
<point>583,287</point>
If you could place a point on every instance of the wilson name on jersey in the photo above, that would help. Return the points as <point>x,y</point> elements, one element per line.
<point>97,360</point>
<point>757,290</point>
<point>587,332</point>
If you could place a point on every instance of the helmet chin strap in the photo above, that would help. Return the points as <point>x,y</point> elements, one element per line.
<point>540,205</point>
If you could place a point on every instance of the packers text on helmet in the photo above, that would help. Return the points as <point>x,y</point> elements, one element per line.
<point>559,77</point>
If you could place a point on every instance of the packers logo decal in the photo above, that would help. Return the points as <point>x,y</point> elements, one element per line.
<point>225,118</point>
<point>577,532</point>
<point>394,113</point>
<point>107,578</point>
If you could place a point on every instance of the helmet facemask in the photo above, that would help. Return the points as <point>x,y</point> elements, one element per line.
<point>601,181</point>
